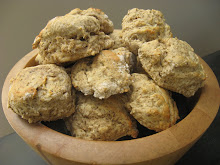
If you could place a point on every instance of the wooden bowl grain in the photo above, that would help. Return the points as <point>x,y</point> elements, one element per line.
<point>163,148</point>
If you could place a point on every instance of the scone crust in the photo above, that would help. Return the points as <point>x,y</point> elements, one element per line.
<point>140,26</point>
<point>116,36</point>
<point>151,105</point>
<point>106,25</point>
<point>173,65</point>
<point>105,75</point>
<point>42,93</point>
<point>97,119</point>
<point>69,38</point>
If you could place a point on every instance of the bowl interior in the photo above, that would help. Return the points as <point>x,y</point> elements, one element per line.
<point>184,105</point>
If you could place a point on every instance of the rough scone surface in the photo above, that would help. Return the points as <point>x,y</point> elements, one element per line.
<point>105,75</point>
<point>69,38</point>
<point>173,65</point>
<point>140,26</point>
<point>106,25</point>
<point>42,93</point>
<point>97,119</point>
<point>151,105</point>
<point>116,35</point>
<point>125,55</point>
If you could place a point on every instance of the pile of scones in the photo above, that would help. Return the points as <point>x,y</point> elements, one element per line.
<point>101,81</point>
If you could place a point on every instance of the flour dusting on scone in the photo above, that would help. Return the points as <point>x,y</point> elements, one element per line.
<point>140,26</point>
<point>42,93</point>
<point>97,119</point>
<point>105,75</point>
<point>173,65</point>
<point>151,105</point>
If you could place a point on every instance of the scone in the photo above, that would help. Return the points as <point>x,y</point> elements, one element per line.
<point>42,93</point>
<point>97,119</point>
<point>116,35</point>
<point>104,75</point>
<point>151,105</point>
<point>69,38</point>
<point>106,25</point>
<point>140,26</point>
<point>125,55</point>
<point>173,65</point>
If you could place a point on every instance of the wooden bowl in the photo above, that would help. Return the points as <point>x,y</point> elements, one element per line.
<point>163,148</point>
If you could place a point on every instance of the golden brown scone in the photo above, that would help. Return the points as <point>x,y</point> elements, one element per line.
<point>173,65</point>
<point>151,105</point>
<point>42,93</point>
<point>69,38</point>
<point>105,75</point>
<point>106,25</point>
<point>97,119</point>
<point>140,26</point>
<point>116,35</point>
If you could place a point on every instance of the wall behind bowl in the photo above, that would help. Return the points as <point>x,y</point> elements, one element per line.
<point>197,22</point>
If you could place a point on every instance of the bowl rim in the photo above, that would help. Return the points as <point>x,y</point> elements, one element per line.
<point>116,152</point>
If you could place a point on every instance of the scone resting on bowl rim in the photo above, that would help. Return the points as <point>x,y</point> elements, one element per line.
<point>151,105</point>
<point>69,38</point>
<point>42,93</point>
<point>173,65</point>
<point>140,26</point>
<point>97,119</point>
<point>104,75</point>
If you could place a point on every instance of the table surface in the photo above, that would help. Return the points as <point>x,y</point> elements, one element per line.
<point>13,150</point>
